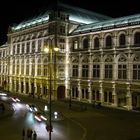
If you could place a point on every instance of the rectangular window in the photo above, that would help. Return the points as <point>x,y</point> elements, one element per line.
<point>85,71</point>
<point>45,69</point>
<point>87,93</point>
<point>22,68</point>
<point>27,69</point>
<point>75,71</point>
<point>18,48</point>
<point>108,71</point>
<point>122,71</point>
<point>39,45</point>
<point>105,96</point>
<point>13,49</point>
<point>33,69</point>
<point>17,69</point>
<point>136,72</point>
<point>83,92</point>
<point>93,94</point>
<point>23,46</point>
<point>96,71</point>
<point>62,29</point>
<point>39,70</point>
<point>33,46</point>
<point>76,92</point>
<point>110,97</point>
<point>28,47</point>
<point>14,69</point>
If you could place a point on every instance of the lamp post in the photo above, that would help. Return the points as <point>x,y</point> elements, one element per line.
<point>50,50</point>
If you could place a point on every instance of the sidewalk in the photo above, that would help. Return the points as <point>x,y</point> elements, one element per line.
<point>8,110</point>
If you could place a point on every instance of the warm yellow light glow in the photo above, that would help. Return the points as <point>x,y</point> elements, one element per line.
<point>46,50</point>
<point>56,49</point>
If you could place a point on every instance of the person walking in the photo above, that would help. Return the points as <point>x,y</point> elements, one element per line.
<point>34,135</point>
<point>23,134</point>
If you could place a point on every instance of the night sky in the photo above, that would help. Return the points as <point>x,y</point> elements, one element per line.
<point>13,11</point>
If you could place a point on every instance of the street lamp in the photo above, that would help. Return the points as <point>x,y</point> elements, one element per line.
<point>50,51</point>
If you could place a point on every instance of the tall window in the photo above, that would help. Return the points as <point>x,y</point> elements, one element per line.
<point>96,71</point>
<point>122,40</point>
<point>33,69</point>
<point>93,94</point>
<point>23,45</point>
<point>85,43</point>
<point>22,67</point>
<point>137,38</point>
<point>108,71</point>
<point>18,48</point>
<point>45,67</point>
<point>13,49</point>
<point>85,71</point>
<point>27,67</point>
<point>62,29</point>
<point>28,47</point>
<point>75,71</point>
<point>17,67</point>
<point>108,41</point>
<point>13,67</point>
<point>96,43</point>
<point>39,69</point>
<point>39,45</point>
<point>33,46</point>
<point>122,71</point>
<point>136,72</point>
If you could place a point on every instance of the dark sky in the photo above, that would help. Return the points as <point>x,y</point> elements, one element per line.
<point>13,11</point>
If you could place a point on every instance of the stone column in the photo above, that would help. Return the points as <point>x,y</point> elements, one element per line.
<point>79,90</point>
<point>89,92</point>
<point>114,94</point>
<point>101,92</point>
<point>129,97</point>
<point>19,90</point>
<point>24,91</point>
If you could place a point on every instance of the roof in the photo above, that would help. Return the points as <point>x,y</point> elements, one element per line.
<point>76,14</point>
<point>117,22</point>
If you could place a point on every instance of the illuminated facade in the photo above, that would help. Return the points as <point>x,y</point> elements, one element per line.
<point>98,58</point>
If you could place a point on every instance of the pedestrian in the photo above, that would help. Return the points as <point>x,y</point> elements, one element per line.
<point>23,134</point>
<point>34,135</point>
<point>30,133</point>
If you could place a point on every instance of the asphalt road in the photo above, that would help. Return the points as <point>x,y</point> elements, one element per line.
<point>76,123</point>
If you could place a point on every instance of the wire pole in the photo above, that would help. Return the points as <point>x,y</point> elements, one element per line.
<point>50,104</point>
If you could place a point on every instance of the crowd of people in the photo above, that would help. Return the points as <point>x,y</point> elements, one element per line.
<point>29,134</point>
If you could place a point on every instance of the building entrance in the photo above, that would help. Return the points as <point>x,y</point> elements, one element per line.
<point>61,92</point>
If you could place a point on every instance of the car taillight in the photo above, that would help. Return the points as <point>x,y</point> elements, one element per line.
<point>43,118</point>
<point>37,118</point>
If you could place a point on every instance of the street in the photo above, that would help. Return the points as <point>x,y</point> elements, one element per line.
<point>75,124</point>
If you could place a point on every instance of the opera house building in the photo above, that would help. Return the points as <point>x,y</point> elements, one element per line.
<point>90,58</point>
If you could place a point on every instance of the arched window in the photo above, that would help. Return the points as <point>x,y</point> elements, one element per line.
<point>137,38</point>
<point>85,43</point>
<point>122,40</point>
<point>96,43</point>
<point>108,41</point>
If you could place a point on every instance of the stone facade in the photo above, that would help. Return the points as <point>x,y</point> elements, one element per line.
<point>96,62</point>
